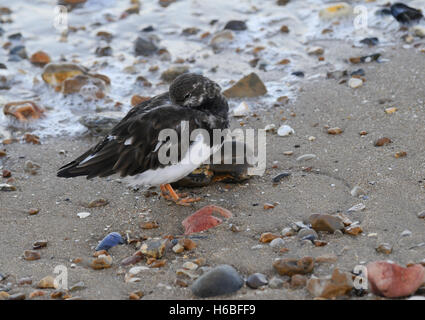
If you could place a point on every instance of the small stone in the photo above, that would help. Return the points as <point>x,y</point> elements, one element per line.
<point>135,258</point>
<point>291,266</point>
<point>33,211</point>
<point>307,234</point>
<point>421,215</point>
<point>357,208</point>
<point>298,281</point>
<point>285,131</point>
<point>170,74</point>
<point>249,86</point>
<point>187,244</point>
<point>390,110</point>
<point>355,83</point>
<point>23,111</point>
<point>339,284</point>
<point>222,38</point>
<point>284,29</point>
<point>256,280</point>
<point>280,176</point>
<point>406,233</point>
<point>98,203</point>
<point>400,154</point>
<point>385,248</point>
<point>325,222</point>
<point>181,283</point>
<point>276,283</point>
<point>134,296</point>
<point>154,247</point>
<point>353,230</point>
<point>419,31</point>
<point>7,187</point>
<point>17,296</point>
<point>78,286</point>
<point>4,295</point>
<point>144,47</point>
<point>101,262</point>
<point>382,142</point>
<point>149,225</point>
<point>316,51</point>
<point>37,293</point>
<point>31,255</point>
<point>40,58</point>
<point>336,11</point>
<point>277,243</point>
<point>219,281</point>
<point>268,237</point>
<point>287,232</point>
<point>335,131</point>
<point>47,283</point>
<point>178,248</point>
<point>268,206</point>
<point>190,266</point>
<point>101,122</point>
<point>39,244</point>
<point>235,25</point>
<point>24,281</point>
<point>103,51</point>
<point>136,99</point>
<point>327,258</point>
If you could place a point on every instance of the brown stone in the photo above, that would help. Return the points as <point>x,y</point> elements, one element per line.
<point>31,255</point>
<point>249,86</point>
<point>136,99</point>
<point>325,222</point>
<point>339,284</point>
<point>335,131</point>
<point>40,58</point>
<point>382,142</point>
<point>101,262</point>
<point>268,237</point>
<point>298,281</point>
<point>353,230</point>
<point>291,266</point>
<point>149,225</point>
<point>47,283</point>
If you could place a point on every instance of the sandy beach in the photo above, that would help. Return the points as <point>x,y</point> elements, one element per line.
<point>393,188</point>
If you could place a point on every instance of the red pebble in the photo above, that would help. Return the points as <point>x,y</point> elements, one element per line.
<point>392,281</point>
<point>203,219</point>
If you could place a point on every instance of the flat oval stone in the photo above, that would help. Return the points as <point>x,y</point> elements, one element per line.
<point>289,266</point>
<point>256,280</point>
<point>219,281</point>
<point>325,222</point>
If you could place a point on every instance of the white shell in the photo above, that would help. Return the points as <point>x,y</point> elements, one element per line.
<point>285,130</point>
<point>83,215</point>
<point>241,110</point>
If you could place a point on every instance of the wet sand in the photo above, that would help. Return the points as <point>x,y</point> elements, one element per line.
<point>394,188</point>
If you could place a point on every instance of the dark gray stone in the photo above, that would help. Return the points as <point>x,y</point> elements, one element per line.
<point>219,281</point>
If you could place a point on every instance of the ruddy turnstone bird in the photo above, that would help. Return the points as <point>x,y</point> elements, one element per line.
<point>133,146</point>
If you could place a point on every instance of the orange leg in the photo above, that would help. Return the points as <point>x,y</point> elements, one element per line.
<point>176,197</point>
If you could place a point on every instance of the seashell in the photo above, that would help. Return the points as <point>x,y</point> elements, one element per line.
<point>241,110</point>
<point>285,130</point>
<point>111,240</point>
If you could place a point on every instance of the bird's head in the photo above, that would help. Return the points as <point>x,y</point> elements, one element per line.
<point>193,90</point>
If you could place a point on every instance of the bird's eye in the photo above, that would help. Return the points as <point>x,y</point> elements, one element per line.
<point>187,96</point>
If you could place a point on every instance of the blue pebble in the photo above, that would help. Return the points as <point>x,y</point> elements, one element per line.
<point>111,240</point>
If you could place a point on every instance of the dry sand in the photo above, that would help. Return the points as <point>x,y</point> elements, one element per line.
<point>394,187</point>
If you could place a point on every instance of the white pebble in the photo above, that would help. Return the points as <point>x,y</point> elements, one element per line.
<point>285,130</point>
<point>83,215</point>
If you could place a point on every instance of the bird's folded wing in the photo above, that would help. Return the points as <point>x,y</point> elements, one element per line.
<point>133,146</point>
